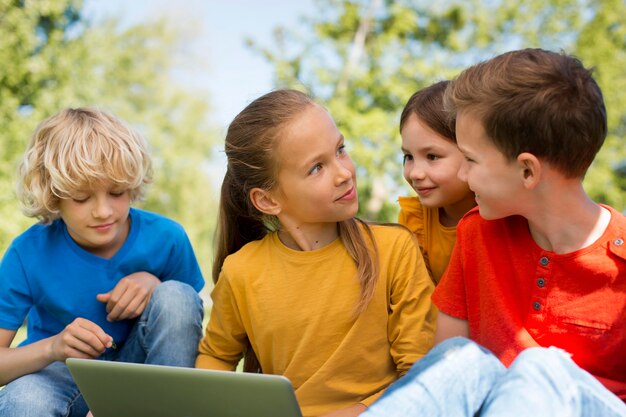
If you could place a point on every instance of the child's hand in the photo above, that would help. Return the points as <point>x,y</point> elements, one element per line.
<point>80,339</point>
<point>130,296</point>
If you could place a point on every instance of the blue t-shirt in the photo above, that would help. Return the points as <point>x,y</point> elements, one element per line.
<point>44,274</point>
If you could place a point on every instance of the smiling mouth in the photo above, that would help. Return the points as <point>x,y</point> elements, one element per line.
<point>348,194</point>
<point>424,190</point>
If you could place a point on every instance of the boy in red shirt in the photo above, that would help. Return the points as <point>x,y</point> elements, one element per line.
<point>537,265</point>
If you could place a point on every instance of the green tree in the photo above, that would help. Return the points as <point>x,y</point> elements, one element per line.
<point>364,58</point>
<point>54,58</point>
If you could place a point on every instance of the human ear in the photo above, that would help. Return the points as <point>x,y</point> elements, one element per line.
<point>264,201</point>
<point>530,169</point>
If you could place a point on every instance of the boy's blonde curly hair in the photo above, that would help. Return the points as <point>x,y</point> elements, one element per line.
<point>76,150</point>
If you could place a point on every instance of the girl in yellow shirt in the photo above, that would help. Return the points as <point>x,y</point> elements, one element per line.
<point>431,162</point>
<point>339,306</point>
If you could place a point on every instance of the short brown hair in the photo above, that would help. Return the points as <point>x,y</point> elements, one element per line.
<point>535,101</point>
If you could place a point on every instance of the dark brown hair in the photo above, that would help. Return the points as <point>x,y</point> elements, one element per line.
<point>535,101</point>
<point>427,105</point>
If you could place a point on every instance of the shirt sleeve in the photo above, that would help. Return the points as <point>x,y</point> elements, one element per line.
<point>225,338</point>
<point>411,322</point>
<point>412,216</point>
<point>15,297</point>
<point>372,398</point>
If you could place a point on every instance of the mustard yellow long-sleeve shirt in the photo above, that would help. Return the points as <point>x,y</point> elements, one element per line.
<point>435,240</point>
<point>297,309</point>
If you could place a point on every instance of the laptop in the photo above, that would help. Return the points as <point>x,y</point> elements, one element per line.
<point>119,389</point>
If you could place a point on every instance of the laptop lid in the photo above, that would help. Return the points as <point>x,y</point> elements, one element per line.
<point>119,389</point>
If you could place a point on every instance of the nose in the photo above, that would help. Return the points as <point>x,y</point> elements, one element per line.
<point>416,171</point>
<point>101,208</point>
<point>344,171</point>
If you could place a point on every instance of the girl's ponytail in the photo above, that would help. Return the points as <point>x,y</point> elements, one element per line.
<point>236,224</point>
<point>250,149</point>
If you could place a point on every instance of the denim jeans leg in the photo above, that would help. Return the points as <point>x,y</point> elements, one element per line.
<point>547,382</point>
<point>50,392</point>
<point>169,330</point>
<point>453,379</point>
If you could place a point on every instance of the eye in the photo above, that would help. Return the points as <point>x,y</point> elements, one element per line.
<point>342,150</point>
<point>406,157</point>
<point>79,197</point>
<point>432,157</point>
<point>316,168</point>
<point>117,193</point>
<point>468,159</point>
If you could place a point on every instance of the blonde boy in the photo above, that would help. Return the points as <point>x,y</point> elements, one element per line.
<point>94,278</point>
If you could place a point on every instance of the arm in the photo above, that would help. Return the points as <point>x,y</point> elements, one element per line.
<point>411,314</point>
<point>225,337</point>
<point>80,339</point>
<point>448,326</point>
<point>130,296</point>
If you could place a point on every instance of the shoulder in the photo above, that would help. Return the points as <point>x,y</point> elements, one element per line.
<point>618,219</point>
<point>43,242</point>
<point>411,210</point>
<point>249,262</point>
<point>150,217</point>
<point>412,215</point>
<point>39,235</point>
<point>471,217</point>
<point>391,236</point>
<point>386,230</point>
<point>153,222</point>
<point>473,220</point>
<point>410,204</point>
<point>251,251</point>
<point>616,232</point>
<point>476,235</point>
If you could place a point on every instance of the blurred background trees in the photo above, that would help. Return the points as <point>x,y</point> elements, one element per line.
<point>362,59</point>
<point>54,58</point>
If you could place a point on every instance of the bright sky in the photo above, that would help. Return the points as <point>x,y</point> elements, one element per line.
<point>232,74</point>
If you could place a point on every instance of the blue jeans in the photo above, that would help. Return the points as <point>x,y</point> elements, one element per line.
<point>167,333</point>
<point>460,378</point>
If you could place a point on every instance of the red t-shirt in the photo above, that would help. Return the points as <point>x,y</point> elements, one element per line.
<point>516,295</point>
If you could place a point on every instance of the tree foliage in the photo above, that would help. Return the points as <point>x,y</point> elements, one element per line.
<point>53,58</point>
<point>364,58</point>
